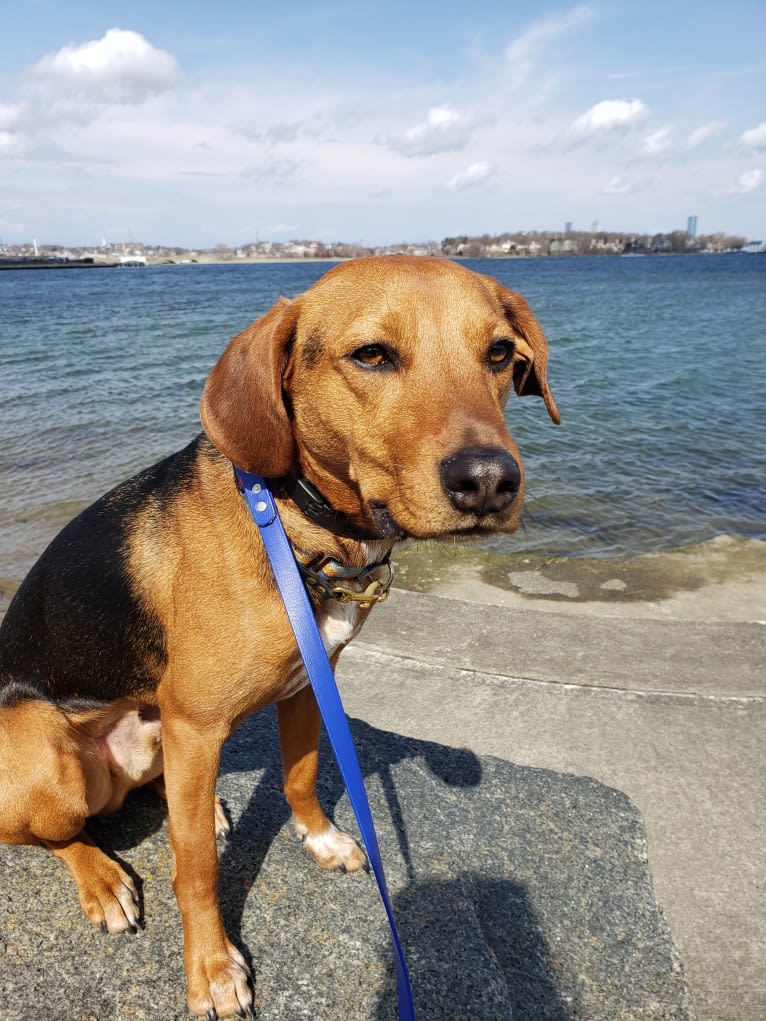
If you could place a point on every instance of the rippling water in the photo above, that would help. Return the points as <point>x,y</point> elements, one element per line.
<point>657,365</point>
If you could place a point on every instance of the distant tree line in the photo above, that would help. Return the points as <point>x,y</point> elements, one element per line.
<point>585,242</point>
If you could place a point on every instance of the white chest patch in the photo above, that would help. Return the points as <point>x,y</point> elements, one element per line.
<point>338,623</point>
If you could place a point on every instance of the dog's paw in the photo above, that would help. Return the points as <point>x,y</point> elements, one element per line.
<point>333,849</point>
<point>220,985</point>
<point>109,898</point>
<point>222,827</point>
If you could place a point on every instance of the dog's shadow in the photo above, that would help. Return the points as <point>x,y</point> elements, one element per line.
<point>493,962</point>
<point>498,933</point>
<point>497,926</point>
<point>255,749</point>
<point>250,781</point>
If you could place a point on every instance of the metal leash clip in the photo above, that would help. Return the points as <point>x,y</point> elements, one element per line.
<point>365,586</point>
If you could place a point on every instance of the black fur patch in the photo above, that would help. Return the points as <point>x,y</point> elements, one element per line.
<point>311,350</point>
<point>18,691</point>
<point>77,628</point>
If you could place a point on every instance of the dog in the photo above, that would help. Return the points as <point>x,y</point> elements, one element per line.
<point>151,626</point>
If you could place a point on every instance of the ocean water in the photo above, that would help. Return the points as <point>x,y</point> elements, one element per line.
<point>657,365</point>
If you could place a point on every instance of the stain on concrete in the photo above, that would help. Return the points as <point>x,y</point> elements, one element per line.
<point>650,578</point>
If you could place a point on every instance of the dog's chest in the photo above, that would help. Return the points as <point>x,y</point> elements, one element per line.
<point>337,623</point>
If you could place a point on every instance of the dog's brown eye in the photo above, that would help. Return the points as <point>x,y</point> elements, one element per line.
<point>500,354</point>
<point>374,356</point>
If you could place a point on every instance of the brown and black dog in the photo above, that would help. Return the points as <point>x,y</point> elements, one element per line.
<point>382,386</point>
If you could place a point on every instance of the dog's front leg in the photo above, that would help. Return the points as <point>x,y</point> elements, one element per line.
<point>218,979</point>
<point>299,723</point>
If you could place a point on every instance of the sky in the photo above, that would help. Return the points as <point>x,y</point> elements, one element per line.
<point>197,124</point>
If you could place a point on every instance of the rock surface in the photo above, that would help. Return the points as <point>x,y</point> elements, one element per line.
<point>520,894</point>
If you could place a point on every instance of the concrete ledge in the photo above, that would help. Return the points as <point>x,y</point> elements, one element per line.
<point>634,654</point>
<point>670,712</point>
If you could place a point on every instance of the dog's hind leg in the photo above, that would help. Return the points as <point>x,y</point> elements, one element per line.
<point>107,894</point>
<point>53,775</point>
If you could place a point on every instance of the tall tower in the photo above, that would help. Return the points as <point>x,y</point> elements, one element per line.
<point>691,226</point>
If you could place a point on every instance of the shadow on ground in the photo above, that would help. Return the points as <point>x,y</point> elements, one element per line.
<point>519,893</point>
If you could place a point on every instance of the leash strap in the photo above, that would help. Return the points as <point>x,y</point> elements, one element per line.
<point>302,620</point>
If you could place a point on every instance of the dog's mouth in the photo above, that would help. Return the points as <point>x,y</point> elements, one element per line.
<point>387,524</point>
<point>391,529</point>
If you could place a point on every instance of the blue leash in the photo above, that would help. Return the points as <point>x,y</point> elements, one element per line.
<point>319,672</point>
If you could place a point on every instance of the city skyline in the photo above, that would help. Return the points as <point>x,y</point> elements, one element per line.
<point>333,121</point>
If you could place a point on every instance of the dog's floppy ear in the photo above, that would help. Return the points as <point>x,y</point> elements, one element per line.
<point>529,374</point>
<point>243,408</point>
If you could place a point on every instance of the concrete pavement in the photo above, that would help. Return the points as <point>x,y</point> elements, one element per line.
<point>669,710</point>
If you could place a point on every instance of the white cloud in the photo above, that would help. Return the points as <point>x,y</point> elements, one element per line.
<point>12,141</point>
<point>610,115</point>
<point>755,138</point>
<point>704,133</point>
<point>9,115</point>
<point>473,176</point>
<point>121,67</point>
<point>444,130</point>
<point>658,142</point>
<point>618,186</point>
<point>279,133</point>
<point>523,50</point>
<point>273,170</point>
<point>7,143</point>
<point>747,182</point>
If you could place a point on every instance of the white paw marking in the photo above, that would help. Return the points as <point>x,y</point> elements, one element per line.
<point>333,849</point>
<point>222,828</point>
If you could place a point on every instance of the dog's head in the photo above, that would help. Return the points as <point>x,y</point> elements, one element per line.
<point>384,385</point>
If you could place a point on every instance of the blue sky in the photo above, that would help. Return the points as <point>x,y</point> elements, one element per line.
<point>204,123</point>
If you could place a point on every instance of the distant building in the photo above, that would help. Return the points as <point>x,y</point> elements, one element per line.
<point>691,226</point>
<point>568,227</point>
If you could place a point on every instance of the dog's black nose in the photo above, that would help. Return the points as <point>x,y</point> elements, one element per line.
<point>481,480</point>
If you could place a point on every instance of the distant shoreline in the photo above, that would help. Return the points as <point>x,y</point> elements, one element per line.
<point>33,263</point>
<point>37,263</point>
